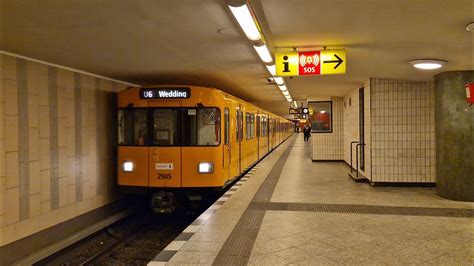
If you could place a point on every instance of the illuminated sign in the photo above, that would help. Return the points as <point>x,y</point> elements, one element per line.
<point>323,62</point>
<point>165,93</point>
<point>294,111</point>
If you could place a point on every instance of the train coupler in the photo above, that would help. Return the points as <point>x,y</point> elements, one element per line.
<point>163,202</point>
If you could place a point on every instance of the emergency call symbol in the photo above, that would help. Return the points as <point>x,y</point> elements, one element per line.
<point>309,63</point>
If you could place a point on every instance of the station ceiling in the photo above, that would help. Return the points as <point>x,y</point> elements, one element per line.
<point>198,42</point>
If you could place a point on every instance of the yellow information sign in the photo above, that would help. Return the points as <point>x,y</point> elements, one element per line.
<point>323,62</point>
<point>287,64</point>
<point>333,62</point>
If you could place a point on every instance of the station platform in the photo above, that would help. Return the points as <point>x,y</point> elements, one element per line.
<point>290,210</point>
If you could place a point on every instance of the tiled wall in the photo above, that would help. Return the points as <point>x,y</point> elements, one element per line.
<point>402,131</point>
<point>57,139</point>
<point>351,127</point>
<point>329,146</point>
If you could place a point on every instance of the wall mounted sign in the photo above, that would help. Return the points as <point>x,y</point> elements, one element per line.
<point>165,93</point>
<point>322,62</point>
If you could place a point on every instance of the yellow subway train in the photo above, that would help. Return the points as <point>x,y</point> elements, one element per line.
<point>179,141</point>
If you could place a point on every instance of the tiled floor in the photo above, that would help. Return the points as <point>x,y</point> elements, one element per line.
<point>318,216</point>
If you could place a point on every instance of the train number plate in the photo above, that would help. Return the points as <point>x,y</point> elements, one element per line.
<point>164,166</point>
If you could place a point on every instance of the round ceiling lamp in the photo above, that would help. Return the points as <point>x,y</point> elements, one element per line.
<point>427,64</point>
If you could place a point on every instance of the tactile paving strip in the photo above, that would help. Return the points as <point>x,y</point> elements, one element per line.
<point>236,250</point>
<point>361,209</point>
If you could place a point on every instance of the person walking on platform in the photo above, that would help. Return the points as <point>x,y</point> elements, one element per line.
<point>307,133</point>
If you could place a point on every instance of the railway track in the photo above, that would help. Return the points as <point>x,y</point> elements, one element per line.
<point>134,240</point>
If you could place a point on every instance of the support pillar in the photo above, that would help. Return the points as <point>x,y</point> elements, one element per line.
<point>454,127</point>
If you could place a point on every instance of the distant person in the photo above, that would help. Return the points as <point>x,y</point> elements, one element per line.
<point>307,132</point>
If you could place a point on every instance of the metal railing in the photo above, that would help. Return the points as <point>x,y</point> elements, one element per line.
<point>357,158</point>
<point>352,143</point>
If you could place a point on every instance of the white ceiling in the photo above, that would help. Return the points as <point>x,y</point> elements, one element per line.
<point>198,42</point>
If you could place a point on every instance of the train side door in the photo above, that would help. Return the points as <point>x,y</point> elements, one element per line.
<point>268,134</point>
<point>239,135</point>
<point>258,135</point>
<point>227,159</point>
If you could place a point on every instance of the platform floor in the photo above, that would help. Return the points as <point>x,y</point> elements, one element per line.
<point>290,210</point>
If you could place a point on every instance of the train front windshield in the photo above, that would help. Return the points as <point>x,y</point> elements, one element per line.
<point>169,126</point>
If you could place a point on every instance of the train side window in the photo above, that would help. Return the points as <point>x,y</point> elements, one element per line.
<point>237,126</point>
<point>165,127</point>
<point>132,126</point>
<point>252,126</point>
<point>247,126</point>
<point>258,126</point>
<point>226,126</point>
<point>201,126</point>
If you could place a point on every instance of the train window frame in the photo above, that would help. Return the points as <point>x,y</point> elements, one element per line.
<point>252,125</point>
<point>146,139</point>
<point>151,126</point>
<point>247,126</point>
<point>258,126</point>
<point>312,105</point>
<point>226,125</point>
<point>218,127</point>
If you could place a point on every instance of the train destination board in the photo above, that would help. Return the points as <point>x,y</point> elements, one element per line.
<point>165,93</point>
<point>321,62</point>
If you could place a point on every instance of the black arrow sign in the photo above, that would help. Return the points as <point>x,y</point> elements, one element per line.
<point>338,61</point>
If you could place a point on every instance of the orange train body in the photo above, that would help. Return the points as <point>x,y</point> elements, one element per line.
<point>203,139</point>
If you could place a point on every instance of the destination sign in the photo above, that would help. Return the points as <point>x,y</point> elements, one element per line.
<point>165,93</point>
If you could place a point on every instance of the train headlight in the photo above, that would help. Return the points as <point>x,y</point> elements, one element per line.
<point>128,167</point>
<point>206,168</point>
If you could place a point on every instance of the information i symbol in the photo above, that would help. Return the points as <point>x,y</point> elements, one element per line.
<point>285,64</point>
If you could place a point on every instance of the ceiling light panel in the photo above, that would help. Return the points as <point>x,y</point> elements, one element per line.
<point>246,22</point>
<point>263,53</point>
<point>283,87</point>
<point>271,69</point>
<point>279,81</point>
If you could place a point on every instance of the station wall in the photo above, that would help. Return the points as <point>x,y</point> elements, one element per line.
<point>57,139</point>
<point>398,131</point>
<point>403,132</point>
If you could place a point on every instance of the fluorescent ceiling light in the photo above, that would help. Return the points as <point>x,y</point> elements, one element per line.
<point>470,26</point>
<point>272,69</point>
<point>427,63</point>
<point>264,54</point>
<point>282,87</point>
<point>279,81</point>
<point>246,22</point>
<point>286,93</point>
<point>295,104</point>
<point>289,100</point>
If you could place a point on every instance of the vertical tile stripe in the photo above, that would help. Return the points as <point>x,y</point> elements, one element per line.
<point>78,135</point>
<point>99,135</point>
<point>23,158</point>
<point>53,136</point>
